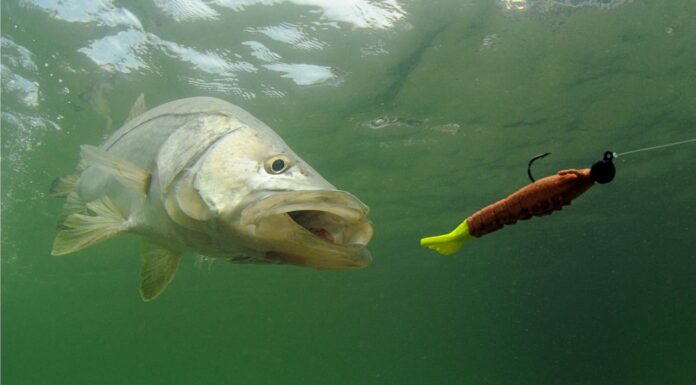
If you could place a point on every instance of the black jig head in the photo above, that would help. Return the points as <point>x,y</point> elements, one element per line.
<point>603,171</point>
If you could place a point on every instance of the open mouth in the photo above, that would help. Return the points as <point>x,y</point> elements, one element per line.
<point>321,228</point>
<point>330,227</point>
<point>308,220</point>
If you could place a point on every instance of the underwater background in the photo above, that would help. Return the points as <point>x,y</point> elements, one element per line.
<point>425,110</point>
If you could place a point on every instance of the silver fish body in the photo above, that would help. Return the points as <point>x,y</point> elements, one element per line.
<point>200,174</point>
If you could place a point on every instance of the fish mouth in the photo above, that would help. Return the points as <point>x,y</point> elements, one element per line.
<point>325,229</point>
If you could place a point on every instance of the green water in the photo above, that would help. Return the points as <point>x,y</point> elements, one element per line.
<point>603,292</point>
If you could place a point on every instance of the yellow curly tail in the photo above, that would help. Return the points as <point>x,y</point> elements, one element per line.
<point>450,243</point>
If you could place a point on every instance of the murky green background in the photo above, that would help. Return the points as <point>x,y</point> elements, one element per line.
<point>426,119</point>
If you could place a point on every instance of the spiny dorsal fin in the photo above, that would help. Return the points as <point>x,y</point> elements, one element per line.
<point>157,270</point>
<point>126,172</point>
<point>138,107</point>
<point>80,230</point>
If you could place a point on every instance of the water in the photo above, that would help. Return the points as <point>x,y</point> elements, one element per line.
<point>427,111</point>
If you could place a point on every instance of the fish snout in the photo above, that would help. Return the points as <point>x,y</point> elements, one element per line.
<point>321,229</point>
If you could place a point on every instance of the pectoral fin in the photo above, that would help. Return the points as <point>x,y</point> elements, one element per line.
<point>101,221</point>
<point>189,200</point>
<point>126,172</point>
<point>157,270</point>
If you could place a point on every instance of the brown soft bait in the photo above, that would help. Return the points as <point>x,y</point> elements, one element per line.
<point>539,198</point>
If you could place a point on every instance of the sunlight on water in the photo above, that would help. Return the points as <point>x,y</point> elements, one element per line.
<point>133,47</point>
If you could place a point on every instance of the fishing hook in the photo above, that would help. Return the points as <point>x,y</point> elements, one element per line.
<point>529,165</point>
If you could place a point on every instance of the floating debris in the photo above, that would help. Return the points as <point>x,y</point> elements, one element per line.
<point>449,128</point>
<point>387,121</point>
<point>488,41</point>
<point>515,5</point>
<point>548,5</point>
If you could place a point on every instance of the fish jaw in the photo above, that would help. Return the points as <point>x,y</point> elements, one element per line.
<point>324,229</point>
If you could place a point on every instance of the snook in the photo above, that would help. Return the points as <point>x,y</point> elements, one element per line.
<point>203,175</point>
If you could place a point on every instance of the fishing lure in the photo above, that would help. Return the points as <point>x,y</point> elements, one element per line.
<point>537,199</point>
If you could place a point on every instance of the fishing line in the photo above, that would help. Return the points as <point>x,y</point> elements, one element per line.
<point>609,155</point>
<point>654,147</point>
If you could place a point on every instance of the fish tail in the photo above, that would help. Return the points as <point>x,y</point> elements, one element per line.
<point>449,243</point>
<point>83,229</point>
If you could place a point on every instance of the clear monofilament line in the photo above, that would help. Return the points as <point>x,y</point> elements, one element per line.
<point>654,147</point>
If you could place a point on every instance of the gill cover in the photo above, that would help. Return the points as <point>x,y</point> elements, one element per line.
<point>249,162</point>
<point>174,160</point>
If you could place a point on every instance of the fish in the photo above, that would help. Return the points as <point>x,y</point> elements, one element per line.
<point>203,175</point>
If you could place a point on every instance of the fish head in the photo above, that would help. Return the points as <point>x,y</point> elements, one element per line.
<point>266,197</point>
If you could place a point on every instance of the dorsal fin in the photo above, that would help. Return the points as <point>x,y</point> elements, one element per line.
<point>138,107</point>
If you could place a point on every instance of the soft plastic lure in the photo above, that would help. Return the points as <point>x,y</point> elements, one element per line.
<point>539,198</point>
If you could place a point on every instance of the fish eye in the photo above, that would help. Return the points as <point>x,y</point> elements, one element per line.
<point>277,164</point>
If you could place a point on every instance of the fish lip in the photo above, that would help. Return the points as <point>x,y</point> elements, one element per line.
<point>342,246</point>
<point>267,203</point>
